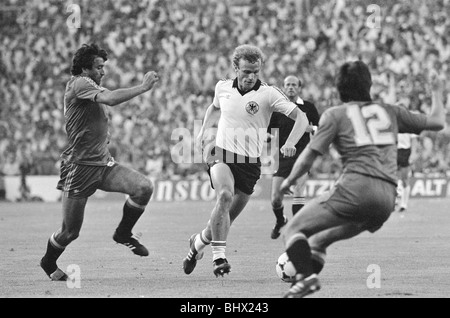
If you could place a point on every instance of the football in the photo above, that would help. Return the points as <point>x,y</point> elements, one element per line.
<point>285,269</point>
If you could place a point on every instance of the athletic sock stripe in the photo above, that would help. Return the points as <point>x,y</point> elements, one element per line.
<point>299,200</point>
<point>318,256</point>
<point>56,244</point>
<point>299,236</point>
<point>218,243</point>
<point>133,204</point>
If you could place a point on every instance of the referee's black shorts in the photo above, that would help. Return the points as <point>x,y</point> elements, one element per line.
<point>246,170</point>
<point>403,157</point>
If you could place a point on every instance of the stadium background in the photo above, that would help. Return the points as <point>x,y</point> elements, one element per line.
<point>189,43</point>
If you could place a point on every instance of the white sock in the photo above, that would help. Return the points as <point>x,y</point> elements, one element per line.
<point>218,249</point>
<point>405,196</point>
<point>201,241</point>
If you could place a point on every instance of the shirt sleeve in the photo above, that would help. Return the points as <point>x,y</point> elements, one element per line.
<point>86,88</point>
<point>280,103</point>
<point>325,133</point>
<point>409,122</point>
<point>216,96</point>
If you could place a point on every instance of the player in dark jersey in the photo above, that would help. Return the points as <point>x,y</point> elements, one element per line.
<point>86,163</point>
<point>364,132</point>
<point>283,125</point>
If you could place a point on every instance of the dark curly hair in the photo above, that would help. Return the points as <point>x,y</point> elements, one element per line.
<point>354,82</point>
<point>85,56</point>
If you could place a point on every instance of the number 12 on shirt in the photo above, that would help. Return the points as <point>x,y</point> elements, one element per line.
<point>371,124</point>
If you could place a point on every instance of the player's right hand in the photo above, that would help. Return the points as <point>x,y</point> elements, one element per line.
<point>150,78</point>
<point>436,82</point>
<point>199,141</point>
<point>285,187</point>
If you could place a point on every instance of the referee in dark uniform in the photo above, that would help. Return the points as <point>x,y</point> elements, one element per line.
<point>282,124</point>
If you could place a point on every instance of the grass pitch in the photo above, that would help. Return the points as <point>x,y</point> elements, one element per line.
<point>411,254</point>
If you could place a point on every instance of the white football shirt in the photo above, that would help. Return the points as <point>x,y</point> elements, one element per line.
<point>404,141</point>
<point>244,118</point>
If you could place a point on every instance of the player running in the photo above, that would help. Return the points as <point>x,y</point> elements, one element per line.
<point>364,132</point>
<point>245,105</point>
<point>87,164</point>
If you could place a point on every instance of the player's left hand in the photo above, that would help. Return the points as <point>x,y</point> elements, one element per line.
<point>288,150</point>
<point>285,187</point>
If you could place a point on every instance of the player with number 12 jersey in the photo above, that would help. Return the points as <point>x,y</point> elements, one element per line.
<point>365,135</point>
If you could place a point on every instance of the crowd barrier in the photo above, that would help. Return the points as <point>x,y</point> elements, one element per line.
<point>44,188</point>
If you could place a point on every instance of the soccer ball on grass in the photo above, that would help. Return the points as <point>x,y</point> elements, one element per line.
<point>285,269</point>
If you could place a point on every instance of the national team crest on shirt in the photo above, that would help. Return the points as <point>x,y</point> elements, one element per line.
<point>252,108</point>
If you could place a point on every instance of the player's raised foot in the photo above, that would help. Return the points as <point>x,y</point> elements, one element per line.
<point>303,287</point>
<point>130,242</point>
<point>52,270</point>
<point>276,231</point>
<point>190,261</point>
<point>221,267</point>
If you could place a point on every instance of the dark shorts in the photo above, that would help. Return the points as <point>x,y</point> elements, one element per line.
<point>81,181</point>
<point>361,199</point>
<point>403,157</point>
<point>285,165</point>
<point>246,171</point>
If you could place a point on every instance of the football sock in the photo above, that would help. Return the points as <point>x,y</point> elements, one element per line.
<point>201,241</point>
<point>318,261</point>
<point>218,249</point>
<point>297,204</point>
<point>399,188</point>
<point>405,196</point>
<point>131,214</point>
<point>299,254</point>
<point>279,213</point>
<point>54,250</point>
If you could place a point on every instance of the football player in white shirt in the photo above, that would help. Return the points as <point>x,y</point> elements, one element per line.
<point>244,106</point>
<point>405,152</point>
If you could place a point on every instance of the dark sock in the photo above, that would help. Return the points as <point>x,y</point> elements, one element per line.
<point>279,214</point>
<point>129,218</point>
<point>317,266</point>
<point>296,208</point>
<point>51,255</point>
<point>299,254</point>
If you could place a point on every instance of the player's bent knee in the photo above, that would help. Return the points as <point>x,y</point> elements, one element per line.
<point>145,190</point>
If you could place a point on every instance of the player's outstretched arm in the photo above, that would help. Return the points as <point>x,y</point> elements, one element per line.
<point>436,118</point>
<point>302,165</point>
<point>118,96</point>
